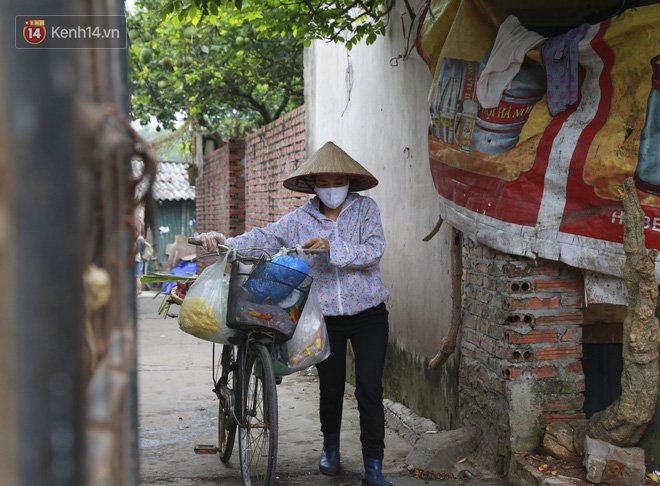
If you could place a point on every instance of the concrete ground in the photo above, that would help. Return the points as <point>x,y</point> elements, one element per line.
<point>178,410</point>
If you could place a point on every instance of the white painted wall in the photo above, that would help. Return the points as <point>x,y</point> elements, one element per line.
<point>379,115</point>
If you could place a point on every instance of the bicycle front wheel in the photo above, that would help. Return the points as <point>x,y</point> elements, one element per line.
<point>257,437</point>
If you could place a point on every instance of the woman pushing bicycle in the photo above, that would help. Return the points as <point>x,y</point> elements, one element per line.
<point>350,291</point>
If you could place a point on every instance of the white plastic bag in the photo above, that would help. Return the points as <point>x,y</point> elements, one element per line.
<point>309,344</point>
<point>204,310</point>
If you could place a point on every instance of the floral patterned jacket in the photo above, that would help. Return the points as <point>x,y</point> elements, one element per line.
<point>347,280</point>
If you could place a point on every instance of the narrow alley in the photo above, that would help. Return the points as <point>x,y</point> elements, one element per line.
<point>178,410</point>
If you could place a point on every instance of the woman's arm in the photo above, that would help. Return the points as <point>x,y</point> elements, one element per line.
<point>345,254</point>
<point>273,235</point>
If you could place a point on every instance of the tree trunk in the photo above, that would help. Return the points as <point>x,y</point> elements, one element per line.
<point>624,422</point>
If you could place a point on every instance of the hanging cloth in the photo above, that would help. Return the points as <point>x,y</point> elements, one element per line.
<point>507,55</point>
<point>560,60</point>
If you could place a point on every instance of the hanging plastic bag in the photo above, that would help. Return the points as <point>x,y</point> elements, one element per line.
<point>204,310</point>
<point>309,344</point>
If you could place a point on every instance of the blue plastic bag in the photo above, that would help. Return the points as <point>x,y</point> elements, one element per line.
<point>276,279</point>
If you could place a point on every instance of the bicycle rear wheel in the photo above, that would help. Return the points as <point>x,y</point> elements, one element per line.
<point>226,422</point>
<point>257,436</point>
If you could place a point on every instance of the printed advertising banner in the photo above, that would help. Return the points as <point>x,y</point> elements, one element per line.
<point>530,137</point>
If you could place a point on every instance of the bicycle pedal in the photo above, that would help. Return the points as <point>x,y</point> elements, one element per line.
<point>206,449</point>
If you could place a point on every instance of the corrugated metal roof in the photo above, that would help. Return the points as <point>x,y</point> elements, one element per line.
<point>171,182</point>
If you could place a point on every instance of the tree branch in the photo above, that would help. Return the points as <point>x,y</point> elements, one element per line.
<point>448,344</point>
<point>281,108</point>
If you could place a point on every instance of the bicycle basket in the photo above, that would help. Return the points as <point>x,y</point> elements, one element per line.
<point>263,298</point>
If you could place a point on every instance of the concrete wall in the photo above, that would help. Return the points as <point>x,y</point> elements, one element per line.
<point>379,115</point>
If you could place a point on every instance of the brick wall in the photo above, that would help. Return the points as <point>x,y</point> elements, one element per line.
<point>521,332</point>
<point>241,185</point>
<point>220,194</point>
<point>273,153</point>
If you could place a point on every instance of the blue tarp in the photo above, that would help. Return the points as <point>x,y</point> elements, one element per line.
<point>183,268</point>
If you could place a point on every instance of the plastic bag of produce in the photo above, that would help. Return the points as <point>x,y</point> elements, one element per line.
<point>309,344</point>
<point>204,310</point>
<point>255,307</point>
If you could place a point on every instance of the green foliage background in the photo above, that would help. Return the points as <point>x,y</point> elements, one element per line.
<point>230,67</point>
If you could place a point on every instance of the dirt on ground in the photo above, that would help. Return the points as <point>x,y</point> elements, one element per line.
<point>549,466</point>
<point>572,468</point>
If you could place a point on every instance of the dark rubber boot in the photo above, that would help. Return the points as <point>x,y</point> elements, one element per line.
<point>330,456</point>
<point>373,472</point>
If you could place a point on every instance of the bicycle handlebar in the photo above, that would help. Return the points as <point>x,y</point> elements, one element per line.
<point>224,248</point>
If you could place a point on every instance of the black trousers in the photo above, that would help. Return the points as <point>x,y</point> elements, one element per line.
<point>368,332</point>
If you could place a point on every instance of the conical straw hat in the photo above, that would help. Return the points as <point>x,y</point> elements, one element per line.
<point>330,159</point>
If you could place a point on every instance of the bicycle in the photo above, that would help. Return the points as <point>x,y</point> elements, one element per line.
<point>246,387</point>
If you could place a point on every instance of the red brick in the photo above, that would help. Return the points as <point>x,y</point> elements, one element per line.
<point>557,285</point>
<point>573,334</point>
<point>482,267</point>
<point>570,318</point>
<point>543,371</point>
<point>474,353</point>
<point>471,337</point>
<point>559,352</point>
<point>482,296</point>
<point>511,373</point>
<point>496,332</point>
<point>489,345</point>
<point>520,287</point>
<point>533,303</point>
<point>563,404</point>
<point>519,355</point>
<point>519,320</point>
<point>548,418</point>
<point>575,367</point>
<point>533,337</point>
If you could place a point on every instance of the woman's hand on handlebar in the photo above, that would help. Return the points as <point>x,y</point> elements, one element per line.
<point>317,244</point>
<point>211,240</point>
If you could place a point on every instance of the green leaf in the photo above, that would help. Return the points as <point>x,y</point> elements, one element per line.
<point>209,78</point>
<point>195,15</point>
<point>239,4</point>
<point>155,277</point>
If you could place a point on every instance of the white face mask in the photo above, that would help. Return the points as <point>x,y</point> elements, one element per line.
<point>333,197</point>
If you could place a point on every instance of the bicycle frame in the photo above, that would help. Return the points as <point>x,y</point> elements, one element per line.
<point>246,388</point>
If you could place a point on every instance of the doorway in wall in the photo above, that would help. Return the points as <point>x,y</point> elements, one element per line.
<point>602,359</point>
